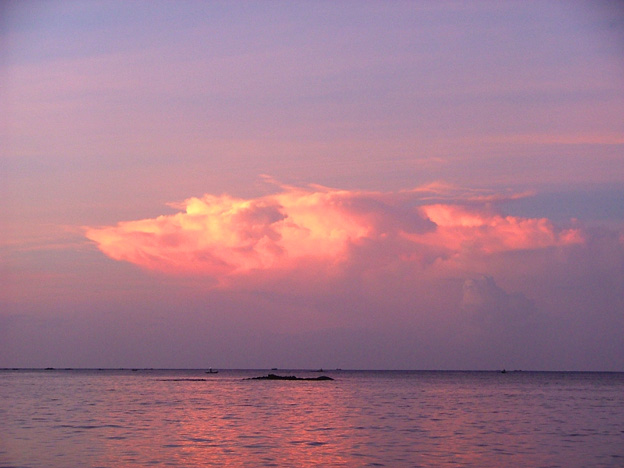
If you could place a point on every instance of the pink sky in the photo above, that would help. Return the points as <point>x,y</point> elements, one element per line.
<point>330,184</point>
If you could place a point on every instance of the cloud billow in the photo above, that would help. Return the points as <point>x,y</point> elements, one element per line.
<point>226,237</point>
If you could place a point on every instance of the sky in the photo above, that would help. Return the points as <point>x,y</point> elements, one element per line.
<point>351,184</point>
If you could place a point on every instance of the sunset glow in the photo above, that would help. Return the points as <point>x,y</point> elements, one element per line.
<point>357,184</point>
<point>223,236</point>
<point>459,228</point>
<point>227,236</point>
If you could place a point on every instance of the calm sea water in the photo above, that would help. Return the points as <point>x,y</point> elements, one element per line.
<point>109,418</point>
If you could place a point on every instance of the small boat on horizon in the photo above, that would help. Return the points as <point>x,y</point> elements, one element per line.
<point>212,371</point>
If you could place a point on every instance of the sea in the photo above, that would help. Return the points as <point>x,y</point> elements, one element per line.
<point>191,418</point>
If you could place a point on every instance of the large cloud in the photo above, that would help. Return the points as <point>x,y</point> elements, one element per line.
<point>433,277</point>
<point>226,237</point>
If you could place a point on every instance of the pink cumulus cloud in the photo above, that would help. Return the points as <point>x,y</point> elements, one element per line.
<point>226,237</point>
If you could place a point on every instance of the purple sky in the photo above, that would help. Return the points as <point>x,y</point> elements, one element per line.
<point>358,184</point>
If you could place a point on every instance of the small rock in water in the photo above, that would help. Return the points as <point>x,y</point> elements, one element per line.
<point>288,377</point>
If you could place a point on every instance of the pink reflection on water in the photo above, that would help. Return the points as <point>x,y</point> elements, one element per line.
<point>360,419</point>
<point>250,424</point>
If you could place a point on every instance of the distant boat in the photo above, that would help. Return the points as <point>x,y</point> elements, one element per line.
<point>212,371</point>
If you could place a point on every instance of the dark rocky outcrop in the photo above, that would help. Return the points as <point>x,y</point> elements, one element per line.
<point>288,377</point>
